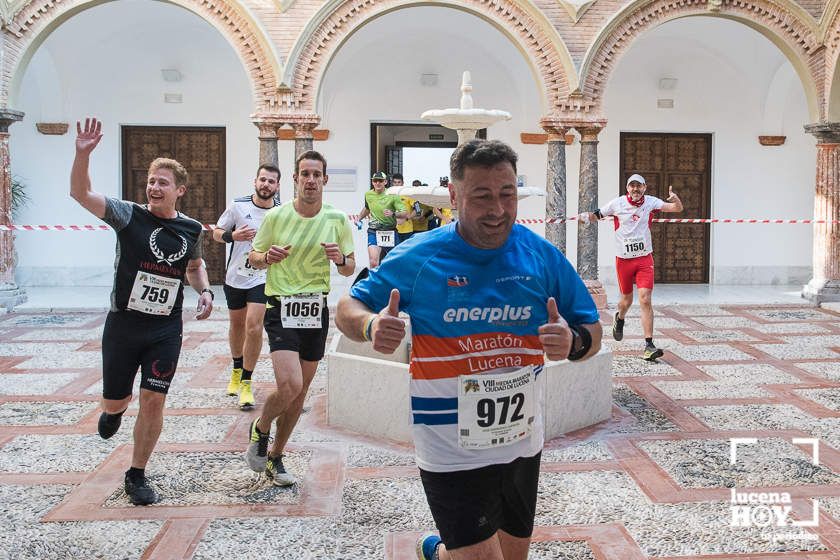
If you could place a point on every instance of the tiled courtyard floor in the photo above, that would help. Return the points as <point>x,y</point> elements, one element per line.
<point>653,481</point>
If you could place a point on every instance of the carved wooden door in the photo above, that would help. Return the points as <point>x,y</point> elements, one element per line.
<point>202,152</point>
<point>684,161</point>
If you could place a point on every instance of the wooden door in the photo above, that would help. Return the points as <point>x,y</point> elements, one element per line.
<point>684,161</point>
<point>202,152</point>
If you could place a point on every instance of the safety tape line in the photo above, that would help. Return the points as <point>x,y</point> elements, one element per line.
<point>210,227</point>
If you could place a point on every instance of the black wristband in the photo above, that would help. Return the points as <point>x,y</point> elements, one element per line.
<point>227,236</point>
<point>209,291</point>
<point>598,214</point>
<point>343,261</point>
<point>585,343</point>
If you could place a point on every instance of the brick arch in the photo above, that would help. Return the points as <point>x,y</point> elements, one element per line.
<point>831,25</point>
<point>524,24</point>
<point>34,23</point>
<point>783,22</point>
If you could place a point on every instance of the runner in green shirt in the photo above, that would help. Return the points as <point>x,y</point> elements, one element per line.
<point>296,242</point>
<point>383,209</point>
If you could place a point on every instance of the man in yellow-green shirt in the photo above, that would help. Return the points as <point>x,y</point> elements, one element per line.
<point>297,242</point>
<point>384,210</point>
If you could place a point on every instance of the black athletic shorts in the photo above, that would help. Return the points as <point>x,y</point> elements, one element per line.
<point>238,298</point>
<point>132,339</point>
<point>470,506</point>
<point>308,343</point>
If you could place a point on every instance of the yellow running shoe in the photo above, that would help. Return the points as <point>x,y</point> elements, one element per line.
<point>246,396</point>
<point>233,384</point>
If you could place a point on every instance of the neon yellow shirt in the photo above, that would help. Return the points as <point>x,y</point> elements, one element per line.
<point>408,225</point>
<point>307,268</point>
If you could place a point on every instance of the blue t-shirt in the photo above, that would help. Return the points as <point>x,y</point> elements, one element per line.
<point>473,311</point>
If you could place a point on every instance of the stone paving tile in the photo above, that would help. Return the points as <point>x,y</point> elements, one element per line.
<point>635,366</point>
<point>705,463</point>
<point>26,413</point>
<point>829,398</point>
<point>34,383</point>
<point>648,418</point>
<point>44,453</point>
<point>179,381</point>
<point>719,336</point>
<point>799,314</point>
<point>634,344</point>
<point>572,550</point>
<point>752,417</point>
<point>578,452</point>
<point>797,351</point>
<point>792,328</point>
<point>36,348</point>
<point>708,352</point>
<point>186,478</point>
<point>182,429</point>
<point>659,529</point>
<point>60,334</point>
<point>700,310</point>
<point>748,373</point>
<point>368,456</point>
<point>734,322</point>
<point>710,390</point>
<point>63,360</point>
<point>49,320</point>
<point>829,370</point>
<point>23,538</point>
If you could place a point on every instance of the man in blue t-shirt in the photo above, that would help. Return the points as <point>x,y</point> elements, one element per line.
<point>488,300</point>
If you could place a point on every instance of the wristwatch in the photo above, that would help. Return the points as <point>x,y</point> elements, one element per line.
<point>343,261</point>
<point>209,291</point>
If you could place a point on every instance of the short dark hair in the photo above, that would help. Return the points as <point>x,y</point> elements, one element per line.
<point>480,153</point>
<point>271,168</point>
<point>310,154</point>
<point>416,183</point>
<point>397,176</point>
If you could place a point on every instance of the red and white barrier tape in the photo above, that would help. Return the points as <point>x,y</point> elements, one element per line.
<point>209,227</point>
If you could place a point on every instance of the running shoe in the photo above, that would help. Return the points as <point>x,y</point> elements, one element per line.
<point>275,470</point>
<point>427,546</point>
<point>139,492</point>
<point>651,353</point>
<point>233,384</point>
<point>257,453</point>
<point>246,396</point>
<point>618,327</point>
<point>109,424</point>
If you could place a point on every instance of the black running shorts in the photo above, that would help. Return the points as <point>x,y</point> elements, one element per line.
<point>238,298</point>
<point>132,339</point>
<point>470,506</point>
<point>308,343</point>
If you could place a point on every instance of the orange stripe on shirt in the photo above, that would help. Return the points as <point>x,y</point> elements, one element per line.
<point>472,365</point>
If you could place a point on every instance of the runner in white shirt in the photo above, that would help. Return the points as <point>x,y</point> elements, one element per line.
<point>244,285</point>
<point>632,215</point>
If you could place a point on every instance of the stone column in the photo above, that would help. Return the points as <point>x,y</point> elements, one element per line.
<point>268,143</point>
<point>10,294</point>
<point>303,137</point>
<point>587,245</point>
<point>825,282</point>
<point>555,183</point>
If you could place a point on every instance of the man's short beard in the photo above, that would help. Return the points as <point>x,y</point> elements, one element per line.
<point>260,196</point>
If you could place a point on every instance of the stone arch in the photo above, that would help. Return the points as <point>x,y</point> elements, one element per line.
<point>783,22</point>
<point>521,22</point>
<point>831,27</point>
<point>28,29</point>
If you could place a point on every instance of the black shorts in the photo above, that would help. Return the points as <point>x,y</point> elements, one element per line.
<point>470,506</point>
<point>132,339</point>
<point>238,298</point>
<point>308,343</point>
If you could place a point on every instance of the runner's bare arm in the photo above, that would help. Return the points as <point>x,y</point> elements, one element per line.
<point>80,189</point>
<point>673,202</point>
<point>197,277</point>
<point>384,329</point>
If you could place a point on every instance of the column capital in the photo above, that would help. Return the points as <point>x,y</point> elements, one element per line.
<point>8,117</point>
<point>555,127</point>
<point>267,125</point>
<point>826,132</point>
<point>589,128</point>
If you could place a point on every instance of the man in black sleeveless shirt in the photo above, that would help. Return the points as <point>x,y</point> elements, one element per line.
<point>157,247</point>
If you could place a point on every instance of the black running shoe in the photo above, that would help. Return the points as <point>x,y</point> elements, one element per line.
<point>651,353</point>
<point>139,492</point>
<point>109,424</point>
<point>618,327</point>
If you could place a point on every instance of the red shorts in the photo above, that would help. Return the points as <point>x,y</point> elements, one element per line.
<point>639,269</point>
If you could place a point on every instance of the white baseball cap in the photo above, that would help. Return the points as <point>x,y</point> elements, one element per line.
<point>636,177</point>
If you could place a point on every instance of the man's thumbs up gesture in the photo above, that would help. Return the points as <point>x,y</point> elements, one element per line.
<point>555,335</point>
<point>388,329</point>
